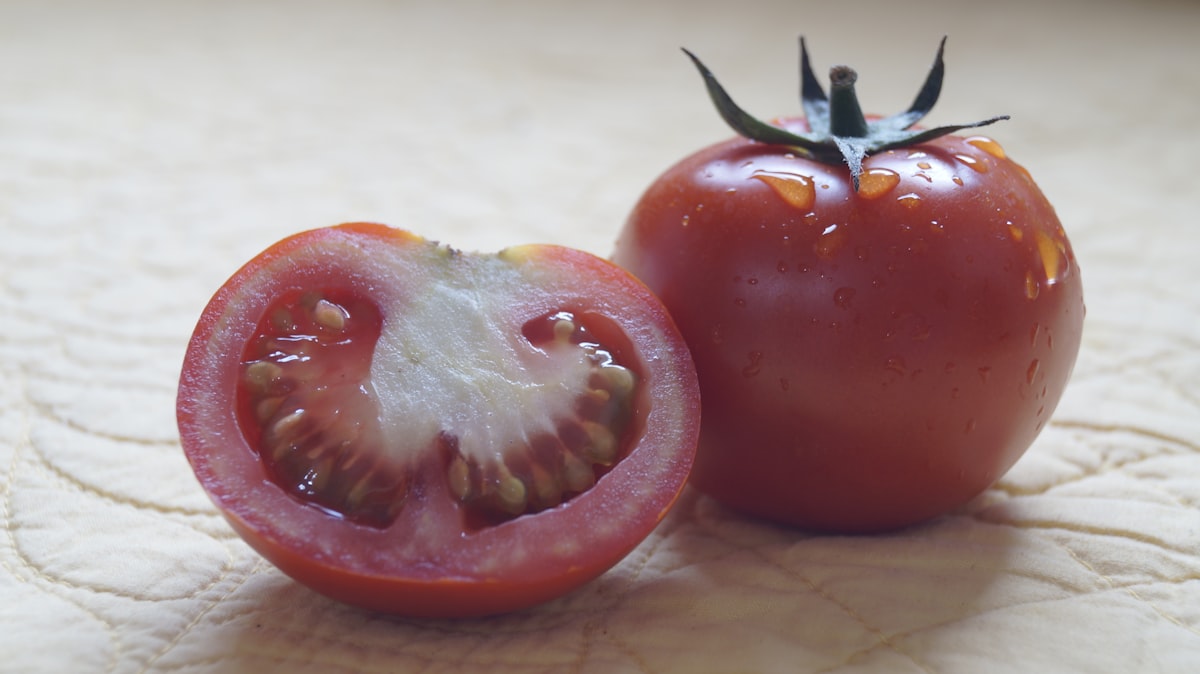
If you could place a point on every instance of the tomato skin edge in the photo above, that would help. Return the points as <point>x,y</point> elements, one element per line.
<point>448,597</point>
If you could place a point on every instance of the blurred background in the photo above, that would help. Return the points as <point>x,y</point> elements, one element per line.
<point>147,149</point>
<point>536,119</point>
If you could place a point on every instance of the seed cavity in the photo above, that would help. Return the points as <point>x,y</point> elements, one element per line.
<point>309,413</point>
<point>550,466</point>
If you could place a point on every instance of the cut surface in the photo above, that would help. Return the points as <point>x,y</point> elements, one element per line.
<point>419,431</point>
<point>345,405</point>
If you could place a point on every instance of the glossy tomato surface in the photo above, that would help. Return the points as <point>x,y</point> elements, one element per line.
<point>867,359</point>
<point>417,430</point>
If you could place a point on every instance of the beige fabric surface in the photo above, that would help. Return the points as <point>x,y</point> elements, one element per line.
<point>147,149</point>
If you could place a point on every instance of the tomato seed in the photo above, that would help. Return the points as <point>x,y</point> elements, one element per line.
<point>578,476</point>
<point>330,315</point>
<point>260,374</point>
<point>267,408</point>
<point>563,330</point>
<point>287,426</point>
<point>459,478</point>
<point>511,491</point>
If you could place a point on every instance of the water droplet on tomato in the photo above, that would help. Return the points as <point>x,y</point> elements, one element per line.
<point>1054,257</point>
<point>684,221</point>
<point>1033,334</point>
<point>910,200</point>
<point>752,281</point>
<point>797,190</point>
<point>1032,372</point>
<point>782,267</point>
<point>843,297</point>
<point>972,162</point>
<point>957,181</point>
<point>896,364</point>
<point>1015,232</point>
<point>754,366</point>
<point>1032,287</point>
<point>876,182</point>
<point>830,241</point>
<point>987,145</point>
<point>924,165</point>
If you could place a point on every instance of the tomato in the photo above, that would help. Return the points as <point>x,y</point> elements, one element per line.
<point>422,431</point>
<point>881,327</point>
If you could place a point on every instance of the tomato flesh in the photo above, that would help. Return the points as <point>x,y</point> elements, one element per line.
<point>422,431</point>
<point>867,359</point>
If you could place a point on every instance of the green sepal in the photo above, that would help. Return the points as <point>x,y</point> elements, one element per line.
<point>856,137</point>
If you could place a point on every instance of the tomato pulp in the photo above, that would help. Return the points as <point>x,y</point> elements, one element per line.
<point>417,430</point>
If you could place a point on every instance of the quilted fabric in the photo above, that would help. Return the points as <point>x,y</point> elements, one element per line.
<point>147,149</point>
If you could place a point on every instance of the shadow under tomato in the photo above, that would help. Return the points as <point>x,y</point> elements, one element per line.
<point>710,590</point>
<point>834,599</point>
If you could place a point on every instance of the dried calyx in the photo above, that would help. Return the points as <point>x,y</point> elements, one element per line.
<point>839,130</point>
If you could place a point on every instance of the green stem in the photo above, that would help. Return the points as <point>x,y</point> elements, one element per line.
<point>846,119</point>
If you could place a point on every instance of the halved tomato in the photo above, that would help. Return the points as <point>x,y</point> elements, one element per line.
<point>416,430</point>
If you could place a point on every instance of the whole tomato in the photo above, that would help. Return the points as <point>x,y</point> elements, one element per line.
<point>882,318</point>
<point>422,431</point>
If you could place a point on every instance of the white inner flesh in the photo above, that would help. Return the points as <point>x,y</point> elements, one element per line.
<point>445,364</point>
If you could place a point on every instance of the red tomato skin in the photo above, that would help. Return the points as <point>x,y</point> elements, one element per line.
<point>502,568</point>
<point>867,360</point>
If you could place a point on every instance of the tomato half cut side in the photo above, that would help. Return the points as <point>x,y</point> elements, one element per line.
<point>422,431</point>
